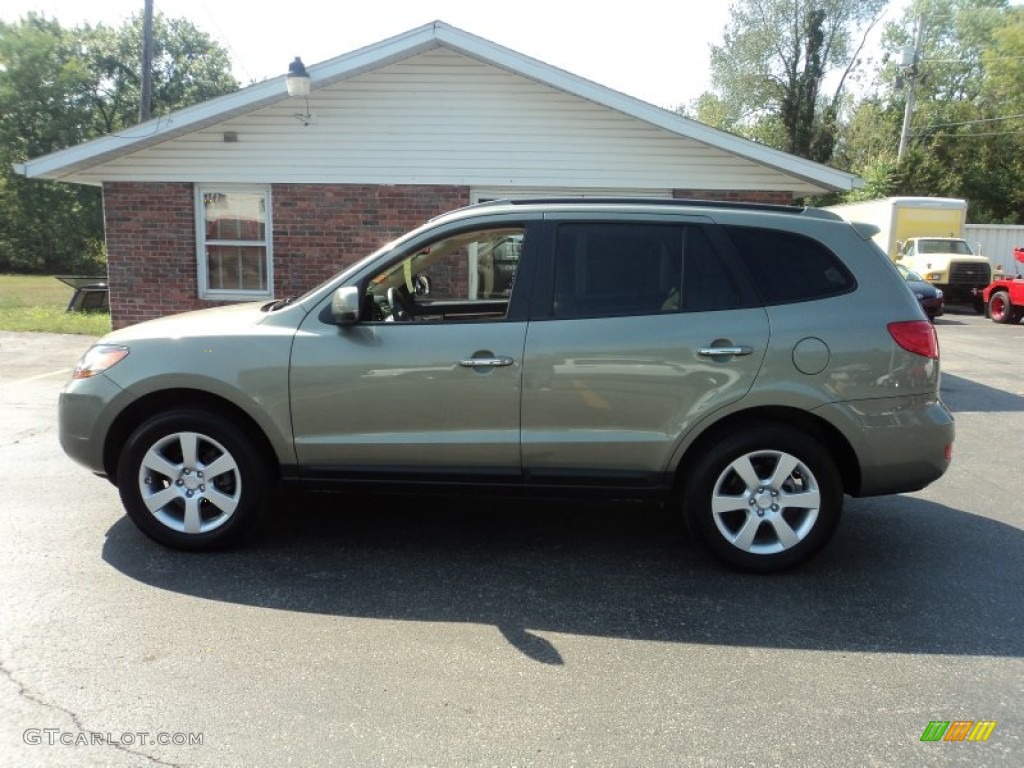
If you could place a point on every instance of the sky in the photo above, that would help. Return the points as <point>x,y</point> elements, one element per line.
<point>654,50</point>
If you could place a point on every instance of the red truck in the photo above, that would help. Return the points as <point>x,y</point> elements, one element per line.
<point>1004,296</point>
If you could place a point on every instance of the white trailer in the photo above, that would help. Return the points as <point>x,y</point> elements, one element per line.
<point>996,243</point>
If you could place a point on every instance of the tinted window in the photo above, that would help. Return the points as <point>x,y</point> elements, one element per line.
<point>636,269</point>
<point>787,267</point>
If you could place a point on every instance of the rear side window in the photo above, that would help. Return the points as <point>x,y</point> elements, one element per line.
<point>787,267</point>
<point>605,270</point>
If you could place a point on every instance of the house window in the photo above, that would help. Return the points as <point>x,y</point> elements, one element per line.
<point>234,242</point>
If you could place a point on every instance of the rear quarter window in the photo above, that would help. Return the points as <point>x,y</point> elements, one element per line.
<point>787,267</point>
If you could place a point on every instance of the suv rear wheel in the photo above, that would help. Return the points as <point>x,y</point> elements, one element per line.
<point>190,479</point>
<point>764,500</point>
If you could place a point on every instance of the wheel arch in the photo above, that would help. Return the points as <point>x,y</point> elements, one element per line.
<point>149,405</point>
<point>839,448</point>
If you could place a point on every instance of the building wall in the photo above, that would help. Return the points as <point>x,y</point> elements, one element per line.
<point>318,229</point>
<point>439,116</point>
<point>151,250</point>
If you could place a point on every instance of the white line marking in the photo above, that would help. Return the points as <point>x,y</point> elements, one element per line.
<point>41,376</point>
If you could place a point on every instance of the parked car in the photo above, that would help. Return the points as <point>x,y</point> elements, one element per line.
<point>695,352</point>
<point>928,296</point>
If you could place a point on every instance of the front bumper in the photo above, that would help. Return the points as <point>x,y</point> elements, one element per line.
<point>85,412</point>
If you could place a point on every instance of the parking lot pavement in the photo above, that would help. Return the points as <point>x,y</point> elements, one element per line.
<point>30,357</point>
<point>381,632</point>
<point>33,368</point>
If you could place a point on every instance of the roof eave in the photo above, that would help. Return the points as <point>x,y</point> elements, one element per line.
<point>66,163</point>
<point>806,170</point>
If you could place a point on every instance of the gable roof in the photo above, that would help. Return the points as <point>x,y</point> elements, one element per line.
<point>64,164</point>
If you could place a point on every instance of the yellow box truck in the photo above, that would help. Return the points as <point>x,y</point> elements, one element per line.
<point>926,234</point>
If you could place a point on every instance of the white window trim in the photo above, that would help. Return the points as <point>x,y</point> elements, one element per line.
<point>205,292</point>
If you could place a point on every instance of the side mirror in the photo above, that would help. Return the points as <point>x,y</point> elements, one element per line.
<point>345,305</point>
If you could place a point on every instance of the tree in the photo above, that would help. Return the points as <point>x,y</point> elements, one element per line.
<point>866,146</point>
<point>963,136</point>
<point>60,87</point>
<point>776,59</point>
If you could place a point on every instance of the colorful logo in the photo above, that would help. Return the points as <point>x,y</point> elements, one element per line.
<point>958,730</point>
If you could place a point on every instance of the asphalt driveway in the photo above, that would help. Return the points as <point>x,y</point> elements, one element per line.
<point>366,631</point>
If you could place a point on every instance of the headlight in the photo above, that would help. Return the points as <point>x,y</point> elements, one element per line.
<point>98,359</point>
<point>933,276</point>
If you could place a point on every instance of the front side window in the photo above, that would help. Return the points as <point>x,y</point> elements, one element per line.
<point>464,276</point>
<point>234,242</point>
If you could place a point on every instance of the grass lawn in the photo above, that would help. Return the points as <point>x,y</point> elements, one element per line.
<point>40,302</point>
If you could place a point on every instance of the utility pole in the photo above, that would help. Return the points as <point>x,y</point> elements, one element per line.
<point>910,65</point>
<point>146,97</point>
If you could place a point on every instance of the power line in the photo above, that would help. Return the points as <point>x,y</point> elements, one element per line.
<point>976,122</point>
<point>966,135</point>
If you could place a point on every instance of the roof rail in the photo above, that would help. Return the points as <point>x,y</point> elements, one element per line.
<point>668,202</point>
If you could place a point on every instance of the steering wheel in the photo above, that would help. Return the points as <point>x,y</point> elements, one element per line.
<point>401,308</point>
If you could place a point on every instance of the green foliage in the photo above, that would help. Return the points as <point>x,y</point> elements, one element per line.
<point>1003,67</point>
<point>774,62</point>
<point>60,87</point>
<point>964,139</point>
<point>37,303</point>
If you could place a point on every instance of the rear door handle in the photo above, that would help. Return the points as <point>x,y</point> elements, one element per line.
<point>486,362</point>
<point>725,351</point>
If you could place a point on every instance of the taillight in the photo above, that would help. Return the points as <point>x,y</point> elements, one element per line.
<point>917,336</point>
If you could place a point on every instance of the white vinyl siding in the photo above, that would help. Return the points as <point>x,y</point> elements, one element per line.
<point>441,117</point>
<point>234,242</point>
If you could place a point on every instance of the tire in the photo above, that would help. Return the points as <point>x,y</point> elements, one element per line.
<point>999,307</point>
<point>752,520</point>
<point>190,479</point>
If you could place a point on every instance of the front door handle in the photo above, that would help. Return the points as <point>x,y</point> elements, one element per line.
<point>486,362</point>
<point>725,351</point>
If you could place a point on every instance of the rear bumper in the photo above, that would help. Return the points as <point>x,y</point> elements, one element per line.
<point>902,443</point>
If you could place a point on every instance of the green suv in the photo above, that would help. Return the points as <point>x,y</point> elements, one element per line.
<point>747,364</point>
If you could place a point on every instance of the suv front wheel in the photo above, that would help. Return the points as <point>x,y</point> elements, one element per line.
<point>764,500</point>
<point>190,479</point>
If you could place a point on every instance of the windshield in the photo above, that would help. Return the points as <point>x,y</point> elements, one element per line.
<point>959,247</point>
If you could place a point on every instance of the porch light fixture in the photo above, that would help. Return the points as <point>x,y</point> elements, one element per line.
<point>299,85</point>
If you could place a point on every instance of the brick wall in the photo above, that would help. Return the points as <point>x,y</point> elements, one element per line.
<point>318,229</point>
<point>151,250</point>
